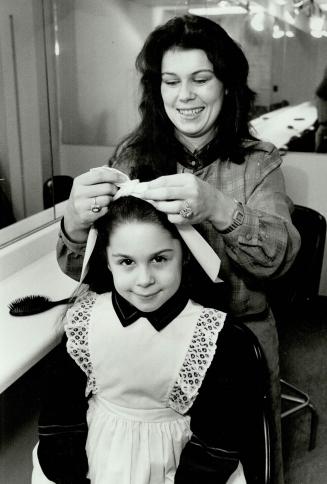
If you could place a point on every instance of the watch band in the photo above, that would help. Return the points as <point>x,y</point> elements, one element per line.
<point>238,218</point>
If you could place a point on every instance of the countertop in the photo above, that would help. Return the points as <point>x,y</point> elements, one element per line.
<point>280,125</point>
<point>25,340</point>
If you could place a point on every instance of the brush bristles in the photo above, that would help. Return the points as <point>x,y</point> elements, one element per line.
<point>24,306</point>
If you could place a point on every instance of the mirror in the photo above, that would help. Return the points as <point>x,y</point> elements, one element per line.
<point>26,135</point>
<point>70,90</point>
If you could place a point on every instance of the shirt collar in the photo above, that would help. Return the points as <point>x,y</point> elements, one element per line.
<point>159,319</point>
<point>201,157</point>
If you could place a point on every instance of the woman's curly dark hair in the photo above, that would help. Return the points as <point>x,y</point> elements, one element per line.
<point>153,141</point>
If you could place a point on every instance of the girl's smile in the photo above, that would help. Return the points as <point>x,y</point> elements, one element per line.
<point>146,264</point>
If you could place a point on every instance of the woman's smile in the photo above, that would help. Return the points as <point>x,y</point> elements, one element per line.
<point>191,93</point>
<point>190,113</point>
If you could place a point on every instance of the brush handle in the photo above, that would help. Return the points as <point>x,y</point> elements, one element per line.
<point>60,301</point>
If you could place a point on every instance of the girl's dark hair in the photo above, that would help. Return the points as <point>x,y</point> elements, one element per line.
<point>132,209</point>
<point>153,141</point>
<point>124,210</point>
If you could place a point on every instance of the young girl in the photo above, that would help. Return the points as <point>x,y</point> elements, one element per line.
<point>163,393</point>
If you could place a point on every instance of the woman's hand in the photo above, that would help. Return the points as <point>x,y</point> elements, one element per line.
<point>173,193</point>
<point>97,186</point>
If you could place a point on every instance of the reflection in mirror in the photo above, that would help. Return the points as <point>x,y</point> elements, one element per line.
<point>70,93</point>
<point>25,97</point>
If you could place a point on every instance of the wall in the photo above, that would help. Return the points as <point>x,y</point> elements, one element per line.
<point>77,159</point>
<point>305,177</point>
<point>296,66</point>
<point>21,105</point>
<point>99,42</point>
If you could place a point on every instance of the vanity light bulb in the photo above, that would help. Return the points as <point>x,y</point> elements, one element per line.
<point>277,32</point>
<point>257,22</point>
<point>316,33</point>
<point>316,23</point>
<point>57,48</point>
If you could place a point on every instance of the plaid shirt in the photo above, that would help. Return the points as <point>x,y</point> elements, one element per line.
<point>263,247</point>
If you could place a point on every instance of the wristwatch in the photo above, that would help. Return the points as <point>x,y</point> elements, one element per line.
<point>238,218</point>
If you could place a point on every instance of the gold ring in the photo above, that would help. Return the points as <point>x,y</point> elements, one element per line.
<point>95,207</point>
<point>186,211</point>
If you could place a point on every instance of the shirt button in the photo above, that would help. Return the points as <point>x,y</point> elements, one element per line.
<point>193,162</point>
<point>248,236</point>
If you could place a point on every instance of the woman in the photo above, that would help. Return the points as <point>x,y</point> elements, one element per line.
<point>194,132</point>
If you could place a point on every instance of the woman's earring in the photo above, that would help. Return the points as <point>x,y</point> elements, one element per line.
<point>226,92</point>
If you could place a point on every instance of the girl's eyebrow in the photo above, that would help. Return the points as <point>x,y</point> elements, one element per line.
<point>150,255</point>
<point>193,73</point>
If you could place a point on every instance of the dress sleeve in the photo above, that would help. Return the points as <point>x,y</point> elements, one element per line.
<point>226,417</point>
<point>62,425</point>
<point>267,242</point>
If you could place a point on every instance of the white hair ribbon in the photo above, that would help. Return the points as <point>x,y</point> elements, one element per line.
<point>198,246</point>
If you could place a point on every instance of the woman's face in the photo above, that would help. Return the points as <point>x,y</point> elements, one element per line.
<point>191,93</point>
<point>146,264</point>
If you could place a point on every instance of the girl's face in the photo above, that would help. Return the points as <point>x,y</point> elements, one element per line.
<point>146,264</point>
<point>191,93</point>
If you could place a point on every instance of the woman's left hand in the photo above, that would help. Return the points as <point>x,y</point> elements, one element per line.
<point>173,193</point>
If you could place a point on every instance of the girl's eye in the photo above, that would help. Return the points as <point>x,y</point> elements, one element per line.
<point>159,259</point>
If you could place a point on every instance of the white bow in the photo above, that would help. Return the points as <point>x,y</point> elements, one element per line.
<point>199,247</point>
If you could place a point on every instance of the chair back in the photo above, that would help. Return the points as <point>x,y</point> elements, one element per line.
<point>56,189</point>
<point>236,414</point>
<point>257,464</point>
<point>300,285</point>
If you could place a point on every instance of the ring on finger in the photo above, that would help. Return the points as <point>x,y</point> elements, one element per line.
<point>186,211</point>
<point>95,207</point>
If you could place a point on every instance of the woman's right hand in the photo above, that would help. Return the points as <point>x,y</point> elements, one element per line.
<point>99,184</point>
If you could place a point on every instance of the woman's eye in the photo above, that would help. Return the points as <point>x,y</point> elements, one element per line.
<point>170,82</point>
<point>159,259</point>
<point>200,81</point>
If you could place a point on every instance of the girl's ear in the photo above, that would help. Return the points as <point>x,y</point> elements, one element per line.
<point>108,263</point>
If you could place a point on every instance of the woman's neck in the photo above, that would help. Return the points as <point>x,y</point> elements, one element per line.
<point>194,143</point>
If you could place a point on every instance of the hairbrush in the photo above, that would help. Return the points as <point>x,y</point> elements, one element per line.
<point>28,305</point>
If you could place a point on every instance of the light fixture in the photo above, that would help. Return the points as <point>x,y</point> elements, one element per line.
<point>290,34</point>
<point>316,33</point>
<point>257,21</point>
<point>220,10</point>
<point>277,32</point>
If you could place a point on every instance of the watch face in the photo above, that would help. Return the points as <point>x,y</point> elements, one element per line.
<point>239,216</point>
